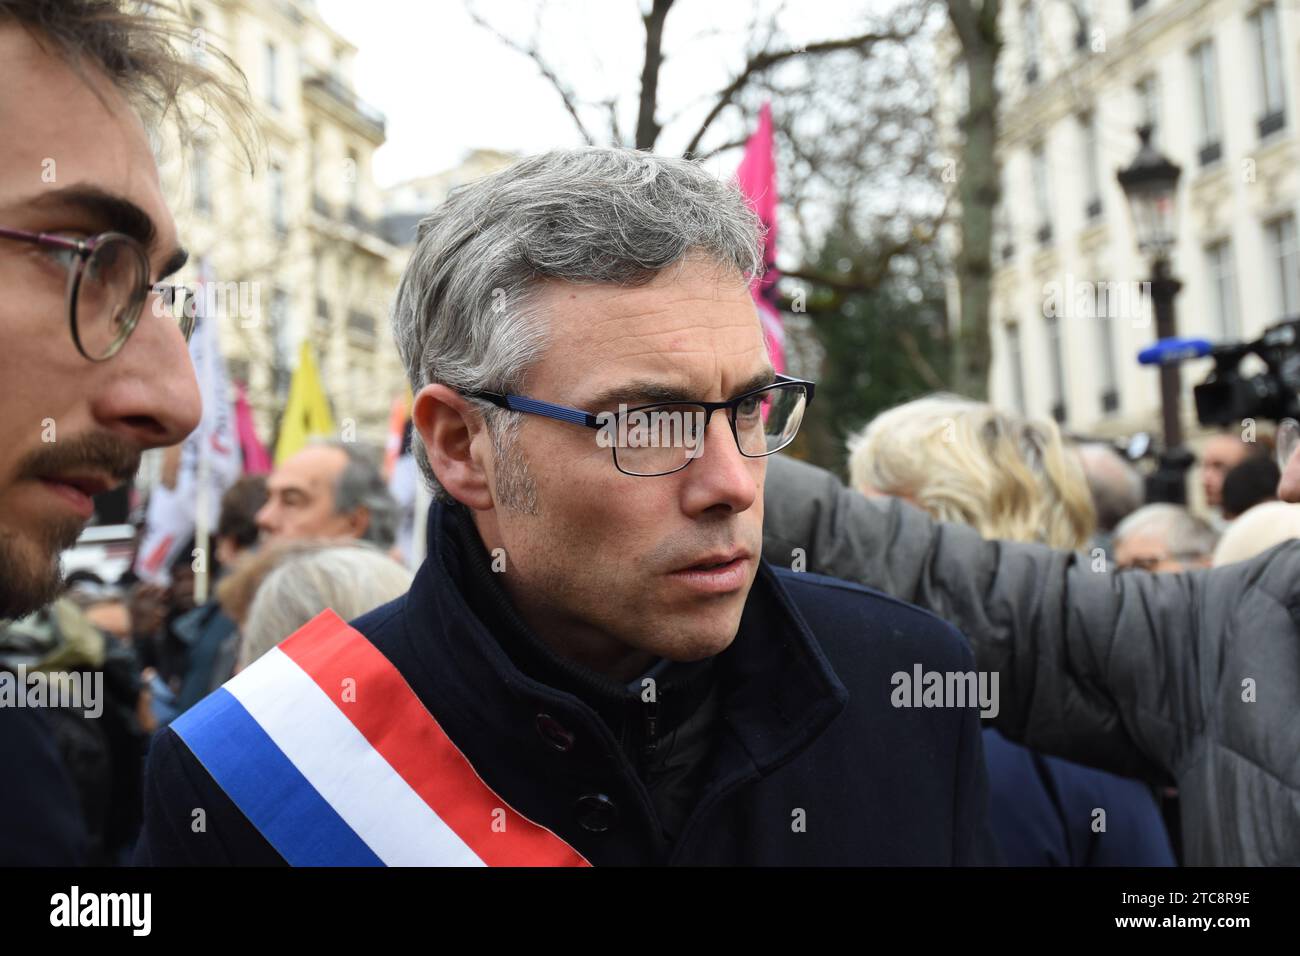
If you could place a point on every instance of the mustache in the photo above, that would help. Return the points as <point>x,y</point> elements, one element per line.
<point>97,451</point>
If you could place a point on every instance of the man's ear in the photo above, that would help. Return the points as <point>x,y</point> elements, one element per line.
<point>453,434</point>
<point>359,521</point>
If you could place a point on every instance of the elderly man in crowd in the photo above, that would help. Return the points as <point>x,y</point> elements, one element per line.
<point>593,665</point>
<point>330,489</point>
<point>1163,537</point>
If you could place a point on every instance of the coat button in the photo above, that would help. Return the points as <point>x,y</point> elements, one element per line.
<point>596,812</point>
<point>553,732</point>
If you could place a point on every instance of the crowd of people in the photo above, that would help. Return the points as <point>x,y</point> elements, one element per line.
<point>612,653</point>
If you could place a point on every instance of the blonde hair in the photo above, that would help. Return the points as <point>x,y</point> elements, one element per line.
<point>967,462</point>
<point>1257,530</point>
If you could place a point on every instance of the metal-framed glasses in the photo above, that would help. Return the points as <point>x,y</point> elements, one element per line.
<point>663,438</point>
<point>107,288</point>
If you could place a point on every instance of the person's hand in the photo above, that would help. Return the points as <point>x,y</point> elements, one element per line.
<point>148,608</point>
<point>144,703</point>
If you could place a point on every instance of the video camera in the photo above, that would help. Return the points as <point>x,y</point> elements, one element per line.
<point>1227,396</point>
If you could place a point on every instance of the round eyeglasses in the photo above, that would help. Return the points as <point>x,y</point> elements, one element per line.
<point>108,286</point>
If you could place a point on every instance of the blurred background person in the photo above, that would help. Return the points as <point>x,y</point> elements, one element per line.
<point>965,461</point>
<point>1116,487</point>
<point>330,489</point>
<point>100,739</point>
<point>191,651</point>
<point>289,583</point>
<point>104,605</point>
<point>1258,530</point>
<point>1163,537</point>
<point>1222,453</point>
<point>1252,482</point>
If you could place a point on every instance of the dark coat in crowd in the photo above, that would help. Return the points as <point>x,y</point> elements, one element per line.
<point>795,753</point>
<point>1190,679</point>
<point>1046,811</point>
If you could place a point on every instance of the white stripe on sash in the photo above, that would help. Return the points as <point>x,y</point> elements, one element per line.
<point>345,769</point>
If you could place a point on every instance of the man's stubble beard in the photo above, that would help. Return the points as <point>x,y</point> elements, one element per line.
<point>515,488</point>
<point>31,574</point>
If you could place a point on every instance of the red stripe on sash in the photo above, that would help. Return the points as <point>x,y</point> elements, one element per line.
<point>389,715</point>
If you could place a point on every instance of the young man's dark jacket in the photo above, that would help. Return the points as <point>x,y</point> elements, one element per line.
<point>783,749</point>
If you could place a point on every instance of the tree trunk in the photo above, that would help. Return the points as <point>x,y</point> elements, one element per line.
<point>978,188</point>
<point>647,128</point>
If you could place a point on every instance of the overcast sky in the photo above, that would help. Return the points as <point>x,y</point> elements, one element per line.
<point>448,86</point>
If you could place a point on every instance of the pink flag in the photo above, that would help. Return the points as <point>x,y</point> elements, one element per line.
<point>756,178</point>
<point>256,459</point>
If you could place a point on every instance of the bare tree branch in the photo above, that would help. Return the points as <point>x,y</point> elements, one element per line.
<point>764,60</point>
<point>647,130</point>
<point>533,53</point>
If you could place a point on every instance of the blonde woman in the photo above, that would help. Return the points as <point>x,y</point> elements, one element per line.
<point>967,462</point>
<point>1012,479</point>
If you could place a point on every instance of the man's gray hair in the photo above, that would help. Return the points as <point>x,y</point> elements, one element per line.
<point>349,577</point>
<point>1186,536</point>
<point>462,316</point>
<point>361,484</point>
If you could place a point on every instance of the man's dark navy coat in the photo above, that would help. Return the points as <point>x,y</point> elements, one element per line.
<point>808,762</point>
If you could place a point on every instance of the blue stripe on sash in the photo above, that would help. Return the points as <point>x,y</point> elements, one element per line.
<point>268,789</point>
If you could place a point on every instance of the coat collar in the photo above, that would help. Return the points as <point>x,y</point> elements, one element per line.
<point>777,689</point>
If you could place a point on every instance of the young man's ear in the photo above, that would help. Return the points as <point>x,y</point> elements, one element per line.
<point>453,434</point>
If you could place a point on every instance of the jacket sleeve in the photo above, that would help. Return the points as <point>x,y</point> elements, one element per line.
<point>188,820</point>
<point>1113,671</point>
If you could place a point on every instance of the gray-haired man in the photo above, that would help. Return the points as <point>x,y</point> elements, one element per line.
<point>593,665</point>
<point>329,490</point>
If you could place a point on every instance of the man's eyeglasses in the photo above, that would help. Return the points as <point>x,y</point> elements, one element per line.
<point>662,438</point>
<point>108,285</point>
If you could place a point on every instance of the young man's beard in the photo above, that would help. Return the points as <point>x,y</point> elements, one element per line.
<point>31,574</point>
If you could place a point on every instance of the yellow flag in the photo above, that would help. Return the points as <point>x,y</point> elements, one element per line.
<point>307,414</point>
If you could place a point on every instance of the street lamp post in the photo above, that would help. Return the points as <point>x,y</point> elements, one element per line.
<point>1150,185</point>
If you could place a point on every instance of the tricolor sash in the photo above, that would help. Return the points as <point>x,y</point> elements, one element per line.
<point>327,751</point>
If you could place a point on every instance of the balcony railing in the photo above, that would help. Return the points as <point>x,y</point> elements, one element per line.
<point>343,95</point>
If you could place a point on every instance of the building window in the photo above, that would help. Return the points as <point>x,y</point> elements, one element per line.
<point>1016,363</point>
<point>1029,14</point>
<point>279,206</point>
<point>1003,236</point>
<point>202,178</point>
<point>1056,363</point>
<point>272,78</point>
<point>1205,75</point>
<point>1109,372</point>
<point>1286,259</point>
<point>1272,86</point>
<point>1091,167</point>
<point>1083,23</point>
<point>280,343</point>
<point>1148,97</point>
<point>1042,195</point>
<point>1223,289</point>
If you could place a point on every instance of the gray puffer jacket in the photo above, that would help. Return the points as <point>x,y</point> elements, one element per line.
<point>1187,678</point>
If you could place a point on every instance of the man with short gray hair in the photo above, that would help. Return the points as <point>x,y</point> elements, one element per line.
<point>593,665</point>
<point>330,489</point>
<point>1163,537</point>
